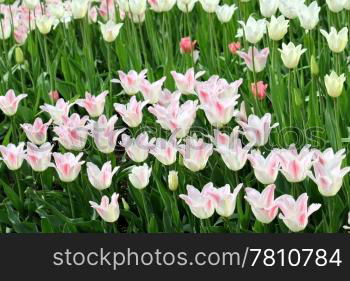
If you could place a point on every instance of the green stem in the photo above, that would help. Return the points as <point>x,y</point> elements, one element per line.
<point>145,206</point>
<point>70,200</point>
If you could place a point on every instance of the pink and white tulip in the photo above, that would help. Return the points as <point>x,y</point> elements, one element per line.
<point>130,81</point>
<point>131,113</point>
<point>36,133</point>
<point>139,176</point>
<point>58,111</point>
<point>39,158</point>
<point>255,59</point>
<point>94,105</point>
<point>263,204</point>
<point>108,210</point>
<point>67,165</point>
<point>187,82</point>
<point>265,169</point>
<point>137,149</point>
<point>9,103</point>
<point>101,179</point>
<point>151,91</point>
<point>295,214</point>
<point>166,97</point>
<point>165,150</point>
<point>13,155</point>
<point>257,130</point>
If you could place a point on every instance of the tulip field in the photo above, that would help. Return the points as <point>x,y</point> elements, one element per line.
<point>174,116</point>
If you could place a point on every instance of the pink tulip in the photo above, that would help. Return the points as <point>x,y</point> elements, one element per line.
<point>137,149</point>
<point>242,114</point>
<point>108,211</point>
<point>166,97</point>
<point>36,133</point>
<point>195,153</point>
<point>72,134</point>
<point>328,174</point>
<point>54,95</point>
<point>257,130</point>
<point>131,113</point>
<point>39,158</point>
<point>201,203</point>
<point>265,169</point>
<point>260,58</point>
<point>259,89</point>
<point>20,33</point>
<point>92,15</point>
<point>151,91</point>
<point>130,81</point>
<point>231,150</point>
<point>101,179</point>
<point>93,105</point>
<point>234,47</point>
<point>107,9</point>
<point>13,156</point>
<point>105,137</point>
<point>140,175</point>
<point>165,150</point>
<point>295,214</point>
<point>263,204</point>
<point>57,112</point>
<point>295,166</point>
<point>67,165</point>
<point>9,103</point>
<point>187,82</point>
<point>187,45</point>
<point>175,118</point>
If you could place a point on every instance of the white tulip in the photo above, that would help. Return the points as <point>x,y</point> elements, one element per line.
<point>254,29</point>
<point>334,84</point>
<point>277,28</point>
<point>268,7</point>
<point>309,16</point>
<point>225,12</point>
<point>291,54</point>
<point>337,41</point>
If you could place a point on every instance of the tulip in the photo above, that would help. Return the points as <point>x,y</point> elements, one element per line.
<point>295,166</point>
<point>5,29</point>
<point>186,83</point>
<point>173,180</point>
<point>265,169</point>
<point>31,4</point>
<point>92,15</point>
<point>130,81</point>
<point>107,9</point>
<point>231,150</point>
<point>257,130</point>
<point>139,176</point>
<point>20,33</point>
<point>201,203</point>
<point>72,134</point>
<point>186,6</point>
<point>165,150</point>
<point>254,30</point>
<point>160,6</point>
<point>187,45</point>
<point>101,179</point>
<point>277,28</point>
<point>105,137</point>
<point>36,133</point>
<point>44,24</point>
<point>54,96</point>
<point>347,7</point>
<point>337,41</point>
<point>291,54</point>
<point>225,12</point>
<point>166,97</point>
<point>268,7</point>
<point>175,118</point>
<point>225,201</point>
<point>79,8</point>
<point>255,59</point>
<point>336,5</point>
<point>108,211</point>
<point>234,47</point>
<point>58,112</point>
<point>290,8</point>
<point>334,84</point>
<point>67,165</point>
<point>39,158</point>
<point>110,30</point>
<point>131,113</point>
<point>152,91</point>
<point>93,105</point>
<point>259,89</point>
<point>137,149</point>
<point>309,15</point>
<point>9,103</point>
<point>195,153</point>
<point>263,204</point>
<point>315,70</point>
<point>137,7</point>
<point>328,174</point>
<point>13,156</point>
<point>209,5</point>
<point>295,214</point>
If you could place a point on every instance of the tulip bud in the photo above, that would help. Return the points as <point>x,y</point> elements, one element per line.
<point>19,55</point>
<point>334,84</point>
<point>126,206</point>
<point>173,180</point>
<point>314,66</point>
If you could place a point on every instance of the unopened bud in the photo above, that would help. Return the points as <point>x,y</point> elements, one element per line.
<point>125,205</point>
<point>314,66</point>
<point>173,180</point>
<point>19,55</point>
